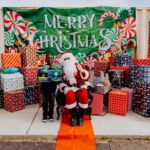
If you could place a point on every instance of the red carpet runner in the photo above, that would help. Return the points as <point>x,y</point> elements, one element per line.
<point>75,138</point>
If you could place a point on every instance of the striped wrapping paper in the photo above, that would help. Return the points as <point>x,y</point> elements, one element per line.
<point>139,62</point>
<point>11,60</point>
<point>29,57</point>
<point>14,100</point>
<point>31,95</point>
<point>118,102</point>
<point>141,98</point>
<point>30,75</point>
<point>11,82</point>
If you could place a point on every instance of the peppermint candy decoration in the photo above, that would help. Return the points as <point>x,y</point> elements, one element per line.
<point>30,30</point>
<point>121,40</point>
<point>128,27</point>
<point>112,33</point>
<point>104,44</point>
<point>80,57</point>
<point>106,14</point>
<point>13,22</point>
<point>121,9</point>
<point>89,61</point>
<point>9,39</point>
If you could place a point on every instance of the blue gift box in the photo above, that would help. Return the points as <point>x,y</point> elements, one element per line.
<point>54,75</point>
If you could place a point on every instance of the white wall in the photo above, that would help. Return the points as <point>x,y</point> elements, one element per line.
<point>74,3</point>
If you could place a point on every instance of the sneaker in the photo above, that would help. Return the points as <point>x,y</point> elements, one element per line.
<point>44,119</point>
<point>51,119</point>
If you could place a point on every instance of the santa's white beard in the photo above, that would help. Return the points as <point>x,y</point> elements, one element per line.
<point>70,71</point>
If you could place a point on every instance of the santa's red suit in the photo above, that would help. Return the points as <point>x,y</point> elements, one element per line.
<point>75,76</point>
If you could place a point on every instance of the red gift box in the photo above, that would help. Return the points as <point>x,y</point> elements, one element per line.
<point>118,102</point>
<point>11,60</point>
<point>14,100</point>
<point>30,75</point>
<point>140,62</point>
<point>130,91</point>
<point>97,104</point>
<point>29,58</point>
<point>100,66</point>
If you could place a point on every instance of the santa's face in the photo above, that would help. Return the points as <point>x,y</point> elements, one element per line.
<point>70,70</point>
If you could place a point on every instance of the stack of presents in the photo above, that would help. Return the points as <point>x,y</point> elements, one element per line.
<point>122,86</point>
<point>19,79</point>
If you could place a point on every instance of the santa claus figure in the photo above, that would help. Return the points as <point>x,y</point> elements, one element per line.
<point>75,76</point>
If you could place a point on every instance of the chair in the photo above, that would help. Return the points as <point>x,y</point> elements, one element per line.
<point>61,102</point>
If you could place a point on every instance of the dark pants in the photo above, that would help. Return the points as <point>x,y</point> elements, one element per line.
<point>48,90</point>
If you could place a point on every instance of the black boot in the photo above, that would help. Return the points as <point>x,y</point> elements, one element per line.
<point>80,116</point>
<point>74,117</point>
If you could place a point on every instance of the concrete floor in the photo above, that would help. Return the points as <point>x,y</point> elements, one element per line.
<point>28,122</point>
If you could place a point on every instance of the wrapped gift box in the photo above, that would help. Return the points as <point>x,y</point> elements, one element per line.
<point>97,104</point>
<point>30,75</point>
<point>102,89</point>
<point>11,82</point>
<point>29,58</point>
<point>1,98</point>
<point>139,73</point>
<point>118,102</point>
<point>11,60</point>
<point>141,98</point>
<point>122,59</point>
<point>31,95</point>
<point>139,62</point>
<point>100,66</point>
<point>14,100</point>
<point>130,91</point>
<point>126,73</point>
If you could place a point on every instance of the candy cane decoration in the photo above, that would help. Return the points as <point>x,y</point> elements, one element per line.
<point>106,14</point>
<point>13,22</point>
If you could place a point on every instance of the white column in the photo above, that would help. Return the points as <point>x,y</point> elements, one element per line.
<point>1,34</point>
<point>144,34</point>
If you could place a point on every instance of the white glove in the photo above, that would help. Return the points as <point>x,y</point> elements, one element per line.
<point>62,86</point>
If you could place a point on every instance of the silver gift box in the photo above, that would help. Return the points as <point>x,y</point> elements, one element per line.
<point>103,89</point>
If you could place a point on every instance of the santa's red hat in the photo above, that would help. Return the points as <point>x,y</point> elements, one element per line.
<point>68,55</point>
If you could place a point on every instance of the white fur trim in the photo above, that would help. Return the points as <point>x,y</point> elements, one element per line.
<point>83,105</point>
<point>74,89</point>
<point>71,105</point>
<point>86,75</point>
<point>67,89</point>
<point>88,83</point>
<point>84,86</point>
